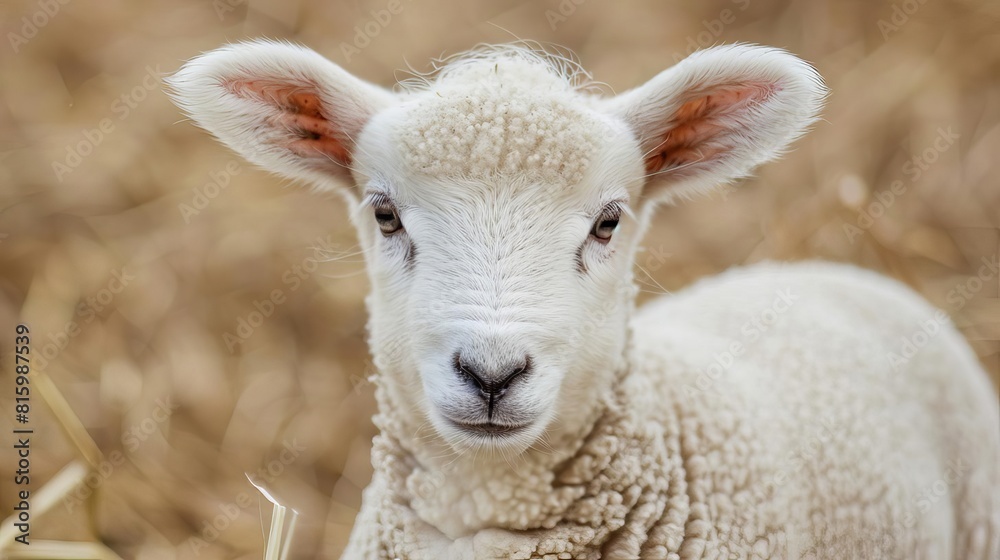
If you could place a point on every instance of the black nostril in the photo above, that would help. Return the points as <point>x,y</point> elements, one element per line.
<point>493,385</point>
<point>469,374</point>
<point>515,372</point>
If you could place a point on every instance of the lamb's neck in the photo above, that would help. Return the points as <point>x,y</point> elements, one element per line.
<point>548,486</point>
<point>460,492</point>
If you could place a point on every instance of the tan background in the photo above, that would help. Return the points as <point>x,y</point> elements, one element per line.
<point>66,232</point>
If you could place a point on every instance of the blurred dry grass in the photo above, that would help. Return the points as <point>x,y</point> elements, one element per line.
<point>174,418</point>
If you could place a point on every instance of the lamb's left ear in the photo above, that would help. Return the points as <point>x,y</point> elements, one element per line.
<point>718,114</point>
<point>283,107</point>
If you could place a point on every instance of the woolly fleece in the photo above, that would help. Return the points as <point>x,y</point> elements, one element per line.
<point>806,444</point>
<point>771,412</point>
<point>500,117</point>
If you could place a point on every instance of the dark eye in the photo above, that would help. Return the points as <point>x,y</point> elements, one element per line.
<point>606,223</point>
<point>387,218</point>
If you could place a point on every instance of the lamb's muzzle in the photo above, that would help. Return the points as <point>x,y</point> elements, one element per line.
<point>490,382</point>
<point>499,204</point>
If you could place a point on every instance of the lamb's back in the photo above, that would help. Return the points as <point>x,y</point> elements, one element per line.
<point>802,411</point>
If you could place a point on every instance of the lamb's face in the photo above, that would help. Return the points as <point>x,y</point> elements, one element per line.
<point>498,231</point>
<point>498,206</point>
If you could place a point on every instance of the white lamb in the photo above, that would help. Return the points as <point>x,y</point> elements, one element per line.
<point>525,410</point>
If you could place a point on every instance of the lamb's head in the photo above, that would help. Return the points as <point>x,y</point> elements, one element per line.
<point>499,204</point>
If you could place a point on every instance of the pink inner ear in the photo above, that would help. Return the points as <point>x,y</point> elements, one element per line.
<point>303,115</point>
<point>697,133</point>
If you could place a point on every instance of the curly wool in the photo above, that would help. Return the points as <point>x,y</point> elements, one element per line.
<point>617,486</point>
<point>781,454</point>
<point>764,413</point>
<point>497,116</point>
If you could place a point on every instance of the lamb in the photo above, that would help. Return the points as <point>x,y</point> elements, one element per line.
<point>526,409</point>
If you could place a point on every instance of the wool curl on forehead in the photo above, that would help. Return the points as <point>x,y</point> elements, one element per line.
<point>501,111</point>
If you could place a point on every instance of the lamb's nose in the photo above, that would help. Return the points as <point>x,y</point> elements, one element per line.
<point>491,382</point>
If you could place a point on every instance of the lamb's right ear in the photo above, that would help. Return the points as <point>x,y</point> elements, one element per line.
<point>283,107</point>
<point>718,114</point>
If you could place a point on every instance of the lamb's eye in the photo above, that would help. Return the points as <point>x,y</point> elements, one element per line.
<point>387,218</point>
<point>606,224</point>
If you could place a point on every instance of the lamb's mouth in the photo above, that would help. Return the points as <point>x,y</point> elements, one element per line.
<point>488,428</point>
